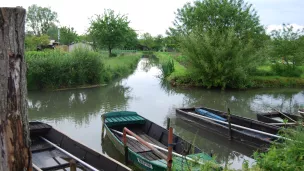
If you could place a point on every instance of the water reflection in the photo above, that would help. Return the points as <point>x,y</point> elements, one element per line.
<point>78,105</point>
<point>77,112</point>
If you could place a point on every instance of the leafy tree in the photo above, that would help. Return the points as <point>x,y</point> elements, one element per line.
<point>109,30</point>
<point>40,19</point>
<point>222,40</point>
<point>287,50</point>
<point>85,38</point>
<point>31,42</point>
<point>147,40</point>
<point>68,35</point>
<point>131,39</point>
<point>52,32</point>
<point>158,42</point>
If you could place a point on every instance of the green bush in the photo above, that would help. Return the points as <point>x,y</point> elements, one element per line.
<point>286,156</point>
<point>167,68</point>
<point>286,70</point>
<point>56,69</point>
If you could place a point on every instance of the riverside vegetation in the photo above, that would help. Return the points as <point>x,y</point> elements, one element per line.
<point>58,69</point>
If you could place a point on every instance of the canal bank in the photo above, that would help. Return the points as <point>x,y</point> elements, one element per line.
<point>77,112</point>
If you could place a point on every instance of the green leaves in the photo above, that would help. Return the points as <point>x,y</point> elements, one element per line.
<point>67,35</point>
<point>221,39</point>
<point>110,30</point>
<point>40,19</point>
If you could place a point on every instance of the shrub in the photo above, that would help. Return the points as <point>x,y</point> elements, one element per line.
<point>57,69</point>
<point>286,70</point>
<point>287,156</point>
<point>167,68</point>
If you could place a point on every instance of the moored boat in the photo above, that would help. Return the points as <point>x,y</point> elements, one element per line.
<point>279,118</point>
<point>247,131</point>
<point>53,150</point>
<point>301,112</point>
<point>141,154</point>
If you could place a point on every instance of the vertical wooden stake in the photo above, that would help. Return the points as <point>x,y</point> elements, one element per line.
<point>168,123</point>
<point>170,149</point>
<point>72,165</point>
<point>103,118</point>
<point>15,153</point>
<point>229,124</point>
<point>125,146</point>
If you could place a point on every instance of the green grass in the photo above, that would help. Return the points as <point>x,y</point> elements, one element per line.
<point>179,70</point>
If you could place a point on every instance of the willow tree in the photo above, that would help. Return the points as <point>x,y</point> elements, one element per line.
<point>14,131</point>
<point>222,40</point>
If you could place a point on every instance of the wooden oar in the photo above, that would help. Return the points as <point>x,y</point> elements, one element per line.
<point>284,115</point>
<point>238,126</point>
<point>158,147</point>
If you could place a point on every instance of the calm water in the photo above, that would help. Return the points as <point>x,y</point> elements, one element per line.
<point>77,112</point>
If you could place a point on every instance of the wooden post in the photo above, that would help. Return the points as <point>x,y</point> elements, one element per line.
<point>15,153</point>
<point>170,149</point>
<point>168,123</point>
<point>125,146</point>
<point>103,125</point>
<point>72,165</point>
<point>229,125</point>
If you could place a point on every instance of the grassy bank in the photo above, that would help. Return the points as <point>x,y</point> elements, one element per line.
<point>183,75</point>
<point>59,70</point>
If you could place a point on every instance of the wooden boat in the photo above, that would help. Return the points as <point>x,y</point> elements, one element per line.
<point>138,153</point>
<point>301,112</point>
<point>52,150</point>
<point>277,117</point>
<point>259,134</point>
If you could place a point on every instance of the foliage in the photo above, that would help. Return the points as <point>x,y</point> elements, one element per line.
<point>68,35</point>
<point>109,30</point>
<point>167,68</point>
<point>287,156</point>
<point>120,66</point>
<point>131,40</point>
<point>222,41</point>
<point>40,19</point>
<point>52,32</point>
<point>287,51</point>
<point>56,69</point>
<point>31,42</point>
<point>158,42</point>
<point>147,40</point>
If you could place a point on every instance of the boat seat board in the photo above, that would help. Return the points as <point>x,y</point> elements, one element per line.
<point>123,118</point>
<point>134,145</point>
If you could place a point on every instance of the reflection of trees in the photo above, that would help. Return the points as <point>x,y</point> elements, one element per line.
<point>77,105</point>
<point>244,103</point>
<point>146,64</point>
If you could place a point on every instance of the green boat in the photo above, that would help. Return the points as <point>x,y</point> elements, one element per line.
<point>185,155</point>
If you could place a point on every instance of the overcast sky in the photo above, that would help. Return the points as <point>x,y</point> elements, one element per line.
<point>155,16</point>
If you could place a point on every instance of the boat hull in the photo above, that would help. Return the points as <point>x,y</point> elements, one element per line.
<point>88,155</point>
<point>270,118</point>
<point>159,137</point>
<point>256,141</point>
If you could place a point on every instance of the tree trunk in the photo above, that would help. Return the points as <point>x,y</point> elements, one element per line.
<point>110,51</point>
<point>15,151</point>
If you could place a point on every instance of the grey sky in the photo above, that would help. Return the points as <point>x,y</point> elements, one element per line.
<point>155,16</point>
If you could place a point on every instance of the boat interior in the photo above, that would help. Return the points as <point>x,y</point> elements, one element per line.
<point>151,133</point>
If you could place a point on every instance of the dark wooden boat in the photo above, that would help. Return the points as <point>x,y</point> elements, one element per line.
<point>139,154</point>
<point>247,137</point>
<point>277,117</point>
<point>53,150</point>
<point>301,112</point>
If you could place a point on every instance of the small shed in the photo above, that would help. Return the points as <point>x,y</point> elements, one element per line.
<point>80,45</point>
